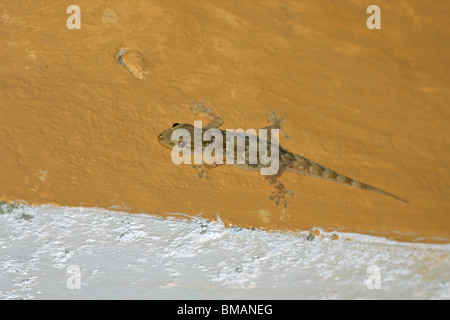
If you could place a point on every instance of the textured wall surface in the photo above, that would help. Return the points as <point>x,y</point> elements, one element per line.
<point>79,129</point>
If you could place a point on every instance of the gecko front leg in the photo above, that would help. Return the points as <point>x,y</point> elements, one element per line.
<point>280,190</point>
<point>215,121</point>
<point>204,169</point>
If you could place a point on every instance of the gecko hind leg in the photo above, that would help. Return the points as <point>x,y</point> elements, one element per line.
<point>279,192</point>
<point>275,122</point>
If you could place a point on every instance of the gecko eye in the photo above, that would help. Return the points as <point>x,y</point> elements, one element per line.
<point>175,124</point>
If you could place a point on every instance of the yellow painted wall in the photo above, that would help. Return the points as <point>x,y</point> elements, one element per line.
<point>78,129</point>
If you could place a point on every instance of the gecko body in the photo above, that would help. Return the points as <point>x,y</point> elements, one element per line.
<point>288,161</point>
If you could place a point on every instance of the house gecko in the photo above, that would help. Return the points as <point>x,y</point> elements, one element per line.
<point>288,161</point>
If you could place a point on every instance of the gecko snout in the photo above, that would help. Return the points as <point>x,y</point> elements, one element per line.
<point>162,140</point>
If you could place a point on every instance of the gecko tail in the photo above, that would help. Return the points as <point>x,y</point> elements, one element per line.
<point>307,167</point>
<point>364,186</point>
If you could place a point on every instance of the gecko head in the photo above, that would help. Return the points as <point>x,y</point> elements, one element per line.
<point>165,137</point>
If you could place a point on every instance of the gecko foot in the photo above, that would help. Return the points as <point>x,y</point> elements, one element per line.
<point>200,108</point>
<point>278,195</point>
<point>203,170</point>
<point>275,122</point>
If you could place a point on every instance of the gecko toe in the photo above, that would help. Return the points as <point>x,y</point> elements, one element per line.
<point>203,171</point>
<point>199,108</point>
<point>275,122</point>
<point>278,196</point>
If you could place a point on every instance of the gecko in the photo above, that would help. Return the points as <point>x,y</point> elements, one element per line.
<point>288,161</point>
